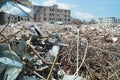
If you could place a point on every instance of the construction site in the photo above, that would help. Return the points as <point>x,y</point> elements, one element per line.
<point>45,51</point>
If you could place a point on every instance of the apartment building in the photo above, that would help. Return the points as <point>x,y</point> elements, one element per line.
<point>51,14</point>
<point>109,20</point>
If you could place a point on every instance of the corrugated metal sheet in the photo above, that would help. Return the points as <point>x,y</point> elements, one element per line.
<point>14,8</point>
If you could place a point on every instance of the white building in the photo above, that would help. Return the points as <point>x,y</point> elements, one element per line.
<point>118,20</point>
<point>108,20</point>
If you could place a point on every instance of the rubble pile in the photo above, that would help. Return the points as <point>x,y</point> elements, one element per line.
<point>39,51</point>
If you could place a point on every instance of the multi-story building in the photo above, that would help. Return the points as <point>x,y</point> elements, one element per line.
<point>108,21</point>
<point>51,14</point>
<point>118,20</point>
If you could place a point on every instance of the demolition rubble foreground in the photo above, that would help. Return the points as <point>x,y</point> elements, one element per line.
<point>39,51</point>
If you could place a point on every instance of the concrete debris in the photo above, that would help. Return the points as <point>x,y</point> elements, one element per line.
<point>43,51</point>
<point>64,76</point>
<point>71,77</point>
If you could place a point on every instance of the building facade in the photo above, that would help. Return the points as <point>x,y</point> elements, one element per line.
<point>109,20</point>
<point>51,14</point>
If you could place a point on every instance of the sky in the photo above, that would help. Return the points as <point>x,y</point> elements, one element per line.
<point>86,9</point>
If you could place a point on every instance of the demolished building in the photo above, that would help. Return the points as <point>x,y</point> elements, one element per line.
<point>10,11</point>
<point>43,51</point>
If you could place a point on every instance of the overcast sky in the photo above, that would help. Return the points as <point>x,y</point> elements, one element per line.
<point>86,9</point>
